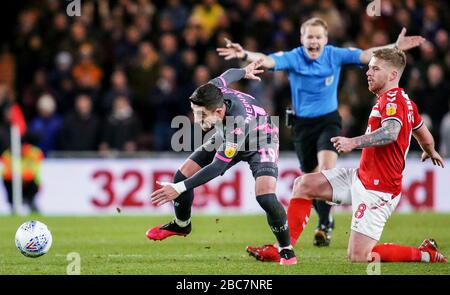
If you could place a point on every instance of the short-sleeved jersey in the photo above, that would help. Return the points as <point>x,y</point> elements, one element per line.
<point>251,133</point>
<point>314,83</point>
<point>381,167</point>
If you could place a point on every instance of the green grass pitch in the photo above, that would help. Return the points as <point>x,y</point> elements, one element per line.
<point>117,245</point>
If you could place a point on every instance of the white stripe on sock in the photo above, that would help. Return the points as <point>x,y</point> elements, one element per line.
<point>287,247</point>
<point>425,256</point>
<point>182,223</point>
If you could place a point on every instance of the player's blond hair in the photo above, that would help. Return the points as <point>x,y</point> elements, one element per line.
<point>394,56</point>
<point>315,21</point>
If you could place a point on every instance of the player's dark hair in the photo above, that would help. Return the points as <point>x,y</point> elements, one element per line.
<point>208,95</point>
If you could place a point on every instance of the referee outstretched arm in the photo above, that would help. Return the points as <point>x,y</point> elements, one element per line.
<point>235,50</point>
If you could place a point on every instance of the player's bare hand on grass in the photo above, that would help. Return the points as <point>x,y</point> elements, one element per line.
<point>232,50</point>
<point>163,195</point>
<point>252,70</point>
<point>435,158</point>
<point>407,42</point>
<point>343,144</point>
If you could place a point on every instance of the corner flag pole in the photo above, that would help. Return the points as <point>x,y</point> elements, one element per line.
<point>16,159</point>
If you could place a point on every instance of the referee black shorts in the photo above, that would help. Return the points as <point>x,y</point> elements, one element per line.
<point>311,135</point>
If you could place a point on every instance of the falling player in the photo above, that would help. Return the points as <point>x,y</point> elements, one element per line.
<point>255,142</point>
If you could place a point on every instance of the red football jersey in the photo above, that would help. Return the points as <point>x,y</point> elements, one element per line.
<point>381,167</point>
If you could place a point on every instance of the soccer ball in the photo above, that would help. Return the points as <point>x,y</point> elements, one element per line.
<point>33,239</point>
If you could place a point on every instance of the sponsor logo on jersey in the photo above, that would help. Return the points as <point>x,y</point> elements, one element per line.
<point>230,149</point>
<point>391,109</point>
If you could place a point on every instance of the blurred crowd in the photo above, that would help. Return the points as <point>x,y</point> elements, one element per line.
<point>113,78</point>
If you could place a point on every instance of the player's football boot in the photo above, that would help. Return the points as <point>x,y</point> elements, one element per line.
<point>287,257</point>
<point>160,232</point>
<point>430,246</point>
<point>264,253</point>
<point>322,235</point>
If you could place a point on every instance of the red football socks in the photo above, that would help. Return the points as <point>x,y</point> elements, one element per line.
<point>397,253</point>
<point>298,215</point>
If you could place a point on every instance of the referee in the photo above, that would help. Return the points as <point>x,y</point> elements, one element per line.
<point>313,70</point>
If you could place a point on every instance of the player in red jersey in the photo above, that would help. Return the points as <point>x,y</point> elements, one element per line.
<point>374,188</point>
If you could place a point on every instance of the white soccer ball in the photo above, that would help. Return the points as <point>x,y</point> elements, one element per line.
<point>33,239</point>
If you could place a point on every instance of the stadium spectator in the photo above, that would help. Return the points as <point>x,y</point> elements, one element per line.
<point>81,128</point>
<point>436,101</point>
<point>122,128</point>
<point>78,36</point>
<point>142,76</point>
<point>428,56</point>
<point>336,24</point>
<point>207,15</point>
<point>194,38</point>
<point>355,96</point>
<point>263,27</point>
<point>189,61</point>
<point>168,50</point>
<point>86,73</point>
<point>58,30</point>
<point>431,23</point>
<point>442,42</point>
<point>33,92</point>
<point>27,46</point>
<point>366,31</point>
<point>416,87</point>
<point>213,63</point>
<point>119,86</point>
<point>128,47</point>
<point>58,79</point>
<point>47,124</point>
<point>143,23</point>
<point>164,100</point>
<point>348,121</point>
<point>178,14</point>
<point>353,16</point>
<point>199,76</point>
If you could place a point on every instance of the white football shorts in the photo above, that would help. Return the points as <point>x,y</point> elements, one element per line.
<point>371,209</point>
